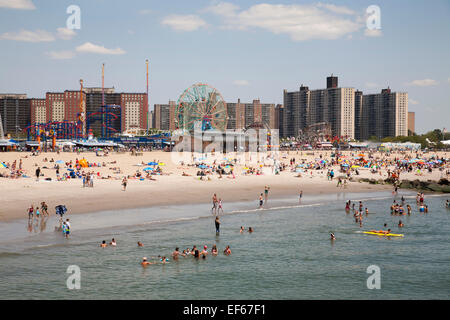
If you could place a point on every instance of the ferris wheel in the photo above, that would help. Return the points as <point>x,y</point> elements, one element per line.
<point>201,103</point>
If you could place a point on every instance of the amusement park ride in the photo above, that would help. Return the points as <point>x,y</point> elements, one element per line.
<point>201,103</point>
<point>76,130</point>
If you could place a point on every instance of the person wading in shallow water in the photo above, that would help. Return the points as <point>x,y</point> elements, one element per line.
<point>217,223</point>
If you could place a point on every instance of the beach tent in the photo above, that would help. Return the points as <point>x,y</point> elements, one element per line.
<point>83,163</point>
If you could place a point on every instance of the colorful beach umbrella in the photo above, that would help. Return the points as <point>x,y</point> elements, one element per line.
<point>2,165</point>
<point>152,163</point>
<point>148,169</point>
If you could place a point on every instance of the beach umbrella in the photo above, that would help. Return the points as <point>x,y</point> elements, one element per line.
<point>2,165</point>
<point>355,166</point>
<point>148,169</point>
<point>59,162</point>
<point>161,164</point>
<point>344,165</point>
<point>152,163</point>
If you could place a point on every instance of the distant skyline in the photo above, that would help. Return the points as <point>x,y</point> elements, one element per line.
<point>245,49</point>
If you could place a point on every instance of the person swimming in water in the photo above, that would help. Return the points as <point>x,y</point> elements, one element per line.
<point>145,263</point>
<point>113,242</point>
<point>103,244</point>
<point>400,224</point>
<point>242,229</point>
<point>140,244</point>
<point>227,251</point>
<point>250,230</point>
<point>214,250</point>
<point>332,236</point>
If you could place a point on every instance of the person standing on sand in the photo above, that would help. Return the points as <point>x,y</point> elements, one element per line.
<point>38,173</point>
<point>300,196</point>
<point>124,183</point>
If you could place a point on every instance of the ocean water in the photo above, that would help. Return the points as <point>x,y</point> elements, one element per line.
<point>288,256</point>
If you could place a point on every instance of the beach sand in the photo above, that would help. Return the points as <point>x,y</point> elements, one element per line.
<point>18,194</point>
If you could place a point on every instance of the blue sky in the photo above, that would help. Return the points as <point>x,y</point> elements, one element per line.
<point>246,49</point>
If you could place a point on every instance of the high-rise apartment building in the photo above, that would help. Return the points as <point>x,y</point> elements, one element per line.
<point>163,116</point>
<point>15,111</point>
<point>333,105</point>
<point>134,111</point>
<point>241,115</point>
<point>382,115</point>
<point>412,122</point>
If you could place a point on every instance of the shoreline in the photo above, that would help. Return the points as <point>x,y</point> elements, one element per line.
<point>147,194</point>
<point>171,188</point>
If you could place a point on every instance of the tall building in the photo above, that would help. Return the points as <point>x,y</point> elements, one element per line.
<point>64,106</point>
<point>333,105</point>
<point>38,111</point>
<point>164,116</point>
<point>412,122</point>
<point>383,115</point>
<point>96,116</point>
<point>15,111</point>
<point>332,82</point>
<point>358,113</point>
<point>295,117</point>
<point>134,111</point>
<point>241,115</point>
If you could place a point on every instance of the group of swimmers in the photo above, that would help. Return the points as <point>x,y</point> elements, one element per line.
<point>194,252</point>
<point>112,243</point>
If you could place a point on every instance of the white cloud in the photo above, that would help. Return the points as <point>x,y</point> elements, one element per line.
<point>300,22</point>
<point>225,9</point>
<point>336,9</point>
<point>184,22</point>
<point>65,33</point>
<point>373,33</point>
<point>89,47</point>
<point>28,36</point>
<point>423,83</point>
<point>241,82</point>
<point>61,55</point>
<point>412,101</point>
<point>17,4</point>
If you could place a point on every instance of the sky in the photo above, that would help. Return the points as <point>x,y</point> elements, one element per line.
<point>245,49</point>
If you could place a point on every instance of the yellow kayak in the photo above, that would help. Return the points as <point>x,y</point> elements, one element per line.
<point>384,234</point>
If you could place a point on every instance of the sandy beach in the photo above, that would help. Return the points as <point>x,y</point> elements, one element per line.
<point>171,188</point>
